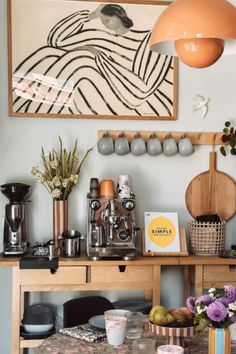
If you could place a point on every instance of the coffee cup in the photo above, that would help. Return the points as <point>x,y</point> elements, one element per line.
<point>124,180</point>
<point>115,329</point>
<point>107,189</point>
<point>154,146</point>
<point>122,145</point>
<point>185,146</point>
<point>94,183</point>
<point>138,146</point>
<point>105,145</point>
<point>170,147</point>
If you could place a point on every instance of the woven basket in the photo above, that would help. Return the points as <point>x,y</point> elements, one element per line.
<point>207,238</point>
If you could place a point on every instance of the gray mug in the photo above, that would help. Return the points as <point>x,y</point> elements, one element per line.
<point>170,147</point>
<point>138,146</point>
<point>105,145</point>
<point>122,145</point>
<point>154,146</point>
<point>185,146</point>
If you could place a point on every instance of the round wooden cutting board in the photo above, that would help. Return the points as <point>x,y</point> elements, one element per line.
<point>211,192</point>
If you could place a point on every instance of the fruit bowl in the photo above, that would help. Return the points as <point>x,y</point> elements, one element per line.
<point>175,335</point>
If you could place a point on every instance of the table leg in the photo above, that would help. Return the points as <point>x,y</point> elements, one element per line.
<point>198,280</point>
<point>156,299</point>
<point>16,301</point>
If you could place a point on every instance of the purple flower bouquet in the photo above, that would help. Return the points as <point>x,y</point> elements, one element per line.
<point>216,309</point>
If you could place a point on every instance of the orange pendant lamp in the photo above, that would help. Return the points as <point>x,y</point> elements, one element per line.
<point>197,31</point>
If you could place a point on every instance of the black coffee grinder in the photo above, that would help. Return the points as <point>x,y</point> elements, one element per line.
<point>15,234</point>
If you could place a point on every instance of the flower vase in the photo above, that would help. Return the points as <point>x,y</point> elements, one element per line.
<point>219,340</point>
<point>60,220</point>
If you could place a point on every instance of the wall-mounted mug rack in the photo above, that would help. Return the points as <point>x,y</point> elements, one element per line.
<point>197,138</point>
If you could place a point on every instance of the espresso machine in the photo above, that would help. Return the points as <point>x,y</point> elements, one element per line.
<point>111,227</point>
<point>15,233</point>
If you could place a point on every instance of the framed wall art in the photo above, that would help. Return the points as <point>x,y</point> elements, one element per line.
<point>88,59</point>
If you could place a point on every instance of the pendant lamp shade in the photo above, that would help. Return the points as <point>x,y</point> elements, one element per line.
<point>198,31</point>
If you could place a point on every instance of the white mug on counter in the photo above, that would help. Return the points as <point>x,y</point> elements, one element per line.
<point>115,327</point>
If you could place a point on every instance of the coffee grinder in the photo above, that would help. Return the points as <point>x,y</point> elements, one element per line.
<point>15,234</point>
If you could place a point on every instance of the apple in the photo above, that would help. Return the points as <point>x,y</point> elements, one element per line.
<point>186,312</point>
<point>171,311</point>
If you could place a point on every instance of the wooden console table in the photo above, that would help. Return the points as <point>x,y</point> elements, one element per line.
<point>77,274</point>
<point>207,272</point>
<point>143,273</point>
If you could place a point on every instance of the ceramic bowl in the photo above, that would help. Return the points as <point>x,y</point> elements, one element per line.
<point>34,328</point>
<point>175,335</point>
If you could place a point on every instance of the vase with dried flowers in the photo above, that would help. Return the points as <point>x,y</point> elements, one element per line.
<point>60,175</point>
<point>216,310</point>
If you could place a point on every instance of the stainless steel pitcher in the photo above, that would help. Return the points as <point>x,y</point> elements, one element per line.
<point>70,243</point>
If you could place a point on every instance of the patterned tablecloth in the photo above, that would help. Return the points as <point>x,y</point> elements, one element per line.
<point>61,344</point>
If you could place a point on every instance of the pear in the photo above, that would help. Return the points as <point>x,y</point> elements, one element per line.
<point>160,318</point>
<point>156,308</point>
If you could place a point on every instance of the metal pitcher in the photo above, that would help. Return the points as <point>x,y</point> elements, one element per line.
<point>70,243</point>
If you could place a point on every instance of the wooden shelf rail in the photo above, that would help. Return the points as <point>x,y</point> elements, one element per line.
<point>197,138</point>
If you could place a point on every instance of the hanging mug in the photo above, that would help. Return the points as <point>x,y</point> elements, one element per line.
<point>154,146</point>
<point>185,146</point>
<point>170,147</point>
<point>105,145</point>
<point>138,146</point>
<point>122,145</point>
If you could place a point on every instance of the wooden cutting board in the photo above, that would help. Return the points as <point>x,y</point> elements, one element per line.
<point>211,192</point>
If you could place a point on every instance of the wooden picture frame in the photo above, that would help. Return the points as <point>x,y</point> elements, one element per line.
<point>66,60</point>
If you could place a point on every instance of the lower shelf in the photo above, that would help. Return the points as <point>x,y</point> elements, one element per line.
<point>30,343</point>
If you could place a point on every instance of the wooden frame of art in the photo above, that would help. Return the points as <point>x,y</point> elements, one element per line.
<point>88,59</point>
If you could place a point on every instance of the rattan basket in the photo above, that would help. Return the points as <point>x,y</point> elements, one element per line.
<point>207,238</point>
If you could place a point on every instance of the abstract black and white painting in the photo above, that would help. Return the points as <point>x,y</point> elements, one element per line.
<point>81,59</point>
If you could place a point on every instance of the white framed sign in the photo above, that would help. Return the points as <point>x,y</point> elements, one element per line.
<point>161,232</point>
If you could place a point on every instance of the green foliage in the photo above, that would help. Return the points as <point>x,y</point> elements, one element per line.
<point>228,139</point>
